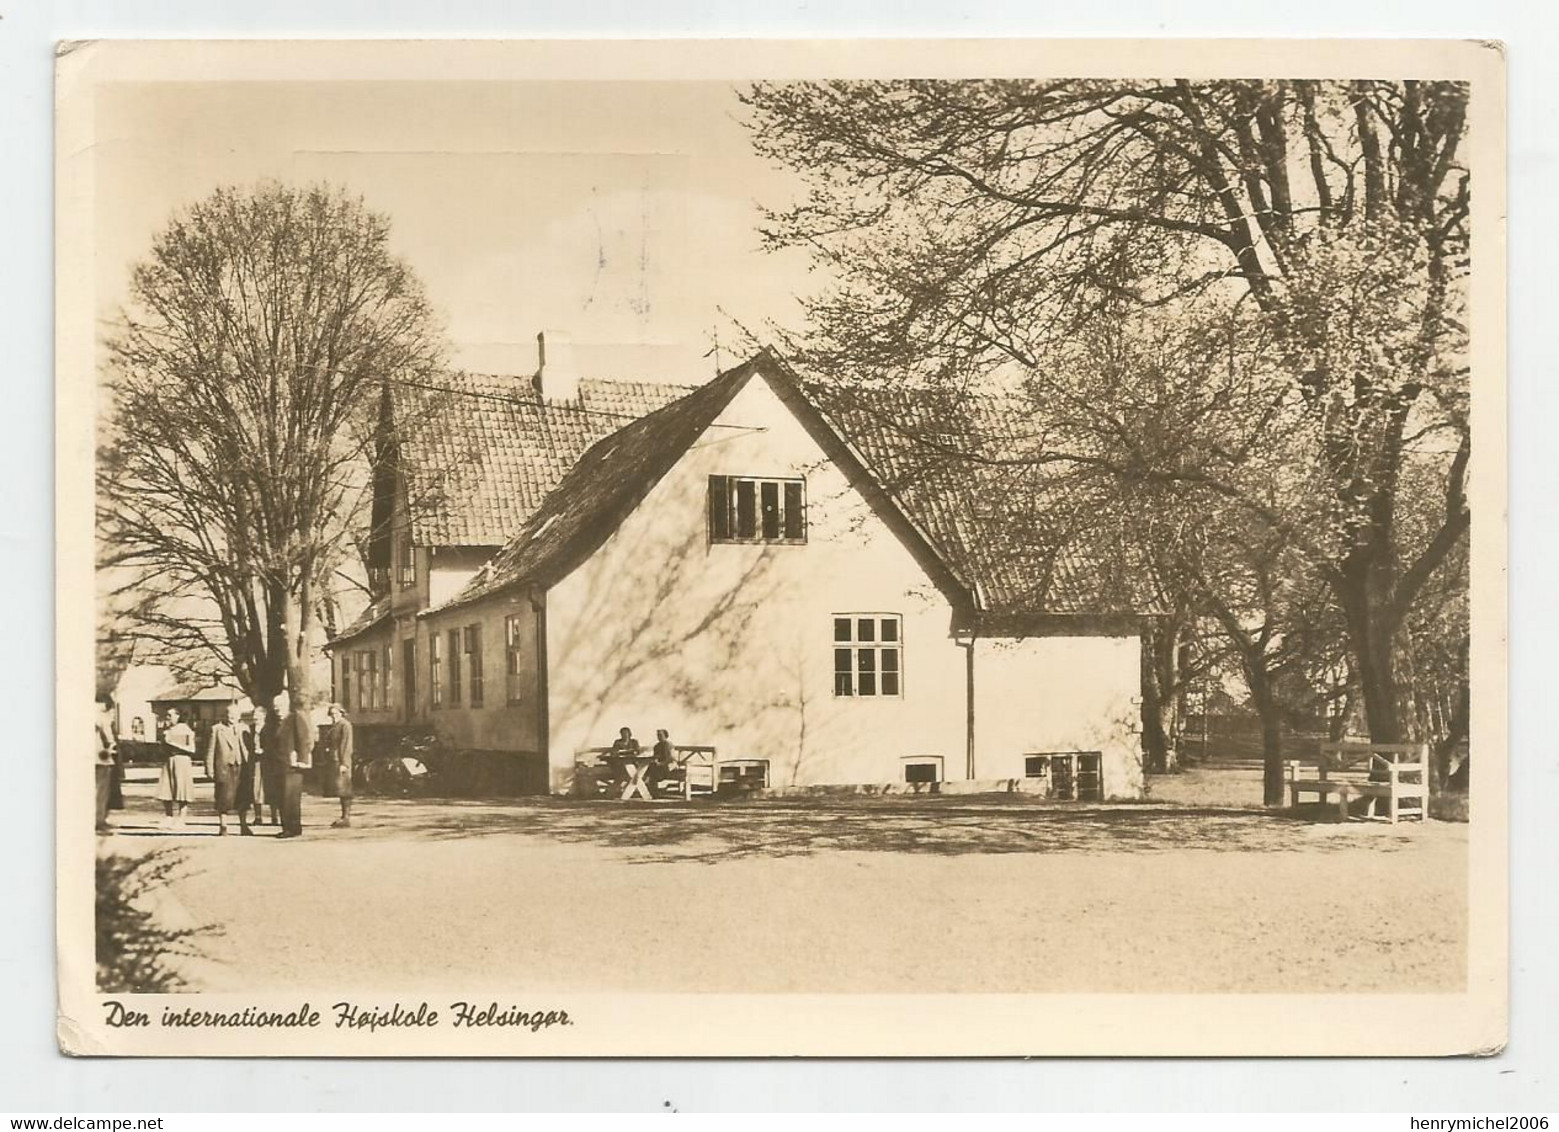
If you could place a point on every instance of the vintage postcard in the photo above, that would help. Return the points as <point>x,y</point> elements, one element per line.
<point>889,548</point>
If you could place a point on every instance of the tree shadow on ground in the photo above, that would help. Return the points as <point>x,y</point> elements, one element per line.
<point>714,832</point>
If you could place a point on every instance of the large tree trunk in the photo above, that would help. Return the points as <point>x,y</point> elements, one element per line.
<point>1371,624</point>
<point>298,617</point>
<point>1160,698</point>
<point>274,669</point>
<point>1273,778</point>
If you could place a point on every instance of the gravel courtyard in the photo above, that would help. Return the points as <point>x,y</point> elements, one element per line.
<point>973,894</point>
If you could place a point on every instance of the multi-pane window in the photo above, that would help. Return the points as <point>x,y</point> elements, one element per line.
<point>435,670</point>
<point>372,679</point>
<point>514,665</point>
<point>868,655</point>
<point>406,567</point>
<point>385,677</point>
<point>474,662</point>
<point>1072,776</point>
<point>361,662</point>
<point>409,668</point>
<point>346,679</point>
<point>454,668</point>
<point>747,509</point>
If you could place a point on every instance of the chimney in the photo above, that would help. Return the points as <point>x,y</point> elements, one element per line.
<point>557,374</point>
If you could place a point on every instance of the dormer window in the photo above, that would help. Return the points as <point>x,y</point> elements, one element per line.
<point>753,509</point>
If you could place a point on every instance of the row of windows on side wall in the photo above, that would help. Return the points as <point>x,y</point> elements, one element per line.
<point>868,653</point>
<point>446,668</point>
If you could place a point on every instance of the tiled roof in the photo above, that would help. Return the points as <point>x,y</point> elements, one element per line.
<point>481,451</point>
<point>376,612</point>
<point>1011,552</point>
<point>966,470</point>
<point>601,490</point>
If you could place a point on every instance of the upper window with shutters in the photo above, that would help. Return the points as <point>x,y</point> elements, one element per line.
<point>754,509</point>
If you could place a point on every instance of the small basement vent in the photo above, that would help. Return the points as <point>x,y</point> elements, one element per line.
<point>1073,776</point>
<point>923,770</point>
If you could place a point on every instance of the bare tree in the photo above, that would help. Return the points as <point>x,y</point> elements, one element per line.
<point>976,227</point>
<point>237,447</point>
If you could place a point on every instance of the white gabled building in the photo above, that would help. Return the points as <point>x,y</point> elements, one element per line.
<point>763,567</point>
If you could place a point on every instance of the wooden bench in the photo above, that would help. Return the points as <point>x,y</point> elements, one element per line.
<point>735,775</point>
<point>699,776</point>
<point>1394,773</point>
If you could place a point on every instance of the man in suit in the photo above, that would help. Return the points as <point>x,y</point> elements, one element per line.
<point>341,752</point>
<point>296,752</point>
<point>225,759</point>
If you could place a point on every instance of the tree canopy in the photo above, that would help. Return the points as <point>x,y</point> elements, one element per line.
<point>236,446</point>
<point>1285,262</point>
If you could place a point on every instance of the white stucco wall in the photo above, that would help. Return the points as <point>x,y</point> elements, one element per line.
<point>731,645</point>
<point>1042,695</point>
<point>450,569</point>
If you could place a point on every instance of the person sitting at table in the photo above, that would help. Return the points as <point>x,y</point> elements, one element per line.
<point>663,760</point>
<point>624,751</point>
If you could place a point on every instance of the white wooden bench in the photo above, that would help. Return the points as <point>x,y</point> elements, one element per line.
<point>699,776</point>
<point>1394,773</point>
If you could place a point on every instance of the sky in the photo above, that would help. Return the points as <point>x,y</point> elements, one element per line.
<point>621,216</point>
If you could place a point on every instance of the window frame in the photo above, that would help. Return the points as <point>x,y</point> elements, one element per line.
<point>512,635</point>
<point>727,515</point>
<point>866,656</point>
<point>475,685</point>
<point>1073,790</point>
<point>454,667</point>
<point>406,566</point>
<point>409,675</point>
<point>435,671</point>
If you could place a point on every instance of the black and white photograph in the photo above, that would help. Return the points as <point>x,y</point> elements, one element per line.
<point>760,549</point>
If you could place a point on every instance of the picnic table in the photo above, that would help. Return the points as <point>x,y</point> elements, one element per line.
<point>697,772</point>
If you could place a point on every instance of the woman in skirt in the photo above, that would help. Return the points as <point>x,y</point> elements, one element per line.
<point>225,758</point>
<point>176,780</point>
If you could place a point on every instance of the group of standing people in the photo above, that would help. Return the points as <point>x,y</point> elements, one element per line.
<point>253,769</point>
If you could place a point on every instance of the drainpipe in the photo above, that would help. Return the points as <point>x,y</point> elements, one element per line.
<point>538,601</point>
<point>966,641</point>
